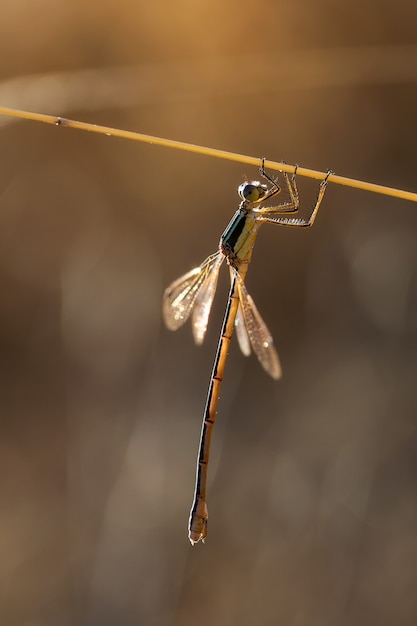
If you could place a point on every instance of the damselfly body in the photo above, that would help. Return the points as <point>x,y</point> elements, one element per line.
<point>193,294</point>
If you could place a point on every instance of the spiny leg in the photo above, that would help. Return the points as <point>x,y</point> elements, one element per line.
<point>273,214</point>
<point>322,189</point>
<point>285,207</point>
<point>263,173</point>
<point>275,189</point>
<point>292,187</point>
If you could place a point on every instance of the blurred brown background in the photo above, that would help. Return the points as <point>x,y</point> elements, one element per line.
<point>312,493</point>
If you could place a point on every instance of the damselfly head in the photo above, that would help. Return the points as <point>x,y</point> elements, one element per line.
<point>252,191</point>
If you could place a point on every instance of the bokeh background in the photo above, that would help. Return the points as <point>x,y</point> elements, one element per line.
<point>313,480</point>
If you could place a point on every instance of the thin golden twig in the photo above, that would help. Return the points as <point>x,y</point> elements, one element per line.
<point>212,152</point>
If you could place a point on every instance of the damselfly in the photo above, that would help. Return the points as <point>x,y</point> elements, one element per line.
<point>193,294</point>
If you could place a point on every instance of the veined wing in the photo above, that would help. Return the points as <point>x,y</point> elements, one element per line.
<point>204,300</point>
<point>180,297</point>
<point>259,335</point>
<point>241,332</point>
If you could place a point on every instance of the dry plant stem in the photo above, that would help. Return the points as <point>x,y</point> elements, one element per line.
<point>213,152</point>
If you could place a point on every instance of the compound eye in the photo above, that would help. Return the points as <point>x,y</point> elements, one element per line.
<point>251,192</point>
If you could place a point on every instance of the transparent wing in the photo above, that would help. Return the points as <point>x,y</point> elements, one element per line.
<point>179,298</point>
<point>259,335</point>
<point>241,332</point>
<point>204,300</point>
